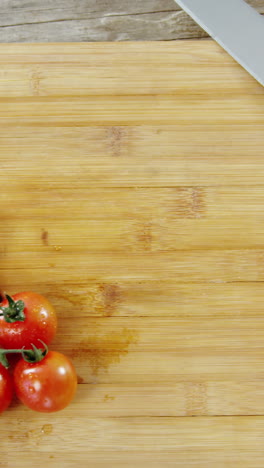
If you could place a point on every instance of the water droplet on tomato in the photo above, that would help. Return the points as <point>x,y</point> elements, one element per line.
<point>43,314</point>
<point>47,402</point>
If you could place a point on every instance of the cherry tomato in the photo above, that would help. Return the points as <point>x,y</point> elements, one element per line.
<point>6,388</point>
<point>48,385</point>
<point>40,321</point>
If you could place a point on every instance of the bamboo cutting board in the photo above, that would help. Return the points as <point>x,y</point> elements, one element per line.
<point>132,196</point>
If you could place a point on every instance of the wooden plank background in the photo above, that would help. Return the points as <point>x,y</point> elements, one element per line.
<point>132,192</point>
<point>98,20</point>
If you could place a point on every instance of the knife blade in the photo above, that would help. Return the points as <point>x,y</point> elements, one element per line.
<point>236,26</point>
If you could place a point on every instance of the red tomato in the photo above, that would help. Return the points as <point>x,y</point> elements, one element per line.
<point>48,385</point>
<point>6,388</point>
<point>40,322</point>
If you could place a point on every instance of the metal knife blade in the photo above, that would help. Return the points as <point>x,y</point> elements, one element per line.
<point>236,26</point>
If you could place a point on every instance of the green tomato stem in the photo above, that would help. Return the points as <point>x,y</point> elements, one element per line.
<point>29,355</point>
<point>11,351</point>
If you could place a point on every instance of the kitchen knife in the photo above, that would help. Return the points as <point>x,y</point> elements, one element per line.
<point>236,26</point>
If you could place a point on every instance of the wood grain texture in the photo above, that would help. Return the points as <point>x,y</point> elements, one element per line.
<point>164,441</point>
<point>132,193</point>
<point>97,20</point>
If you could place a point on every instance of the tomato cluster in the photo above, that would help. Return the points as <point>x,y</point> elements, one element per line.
<point>43,380</point>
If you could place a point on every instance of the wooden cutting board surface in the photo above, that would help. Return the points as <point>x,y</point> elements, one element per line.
<point>132,195</point>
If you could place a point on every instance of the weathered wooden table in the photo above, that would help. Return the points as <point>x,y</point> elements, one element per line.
<point>97,20</point>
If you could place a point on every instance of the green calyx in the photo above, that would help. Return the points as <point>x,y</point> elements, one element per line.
<point>14,312</point>
<point>35,354</point>
<point>29,355</point>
